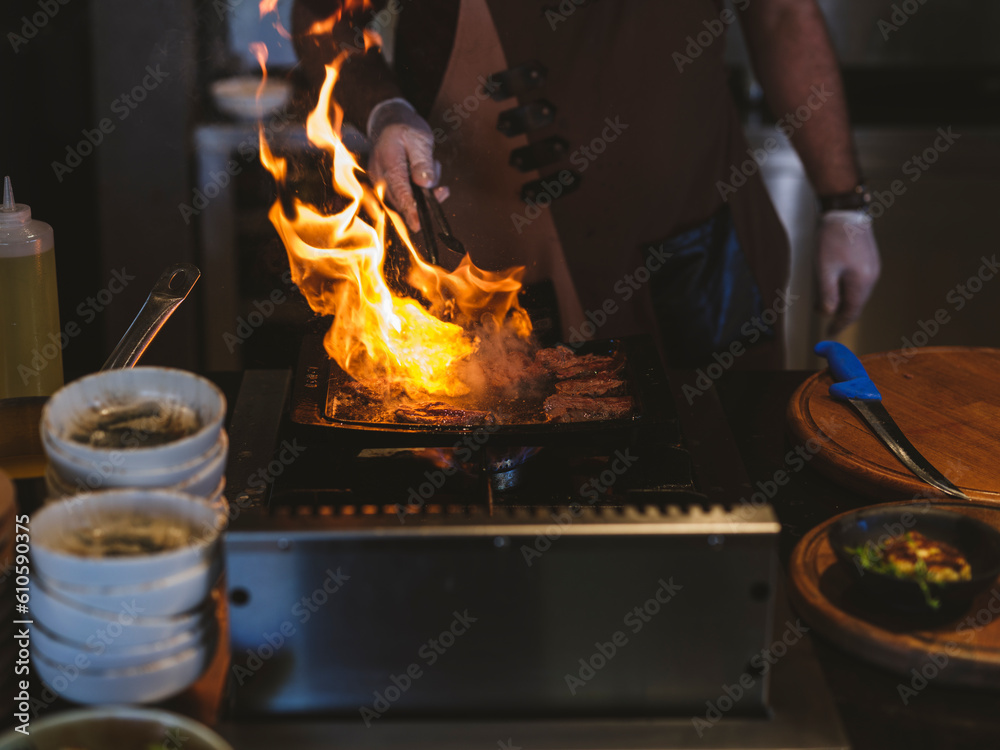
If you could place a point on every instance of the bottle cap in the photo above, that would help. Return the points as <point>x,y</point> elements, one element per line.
<point>11,212</point>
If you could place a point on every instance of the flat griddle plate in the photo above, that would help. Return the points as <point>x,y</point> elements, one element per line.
<point>319,380</point>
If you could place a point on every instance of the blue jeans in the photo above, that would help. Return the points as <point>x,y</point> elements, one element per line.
<point>704,295</point>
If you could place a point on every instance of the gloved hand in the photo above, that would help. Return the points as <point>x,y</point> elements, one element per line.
<point>848,266</point>
<point>402,147</point>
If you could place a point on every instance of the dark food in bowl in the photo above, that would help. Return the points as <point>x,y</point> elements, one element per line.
<point>146,424</point>
<point>127,534</point>
<point>861,540</point>
<point>912,555</point>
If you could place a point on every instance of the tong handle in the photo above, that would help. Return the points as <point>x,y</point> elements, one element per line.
<point>168,292</point>
<point>424,198</point>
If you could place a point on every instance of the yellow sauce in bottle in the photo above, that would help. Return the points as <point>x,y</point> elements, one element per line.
<point>30,346</point>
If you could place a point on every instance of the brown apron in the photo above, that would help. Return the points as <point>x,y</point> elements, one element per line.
<point>478,173</point>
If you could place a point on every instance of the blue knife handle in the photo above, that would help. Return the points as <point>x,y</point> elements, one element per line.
<point>853,381</point>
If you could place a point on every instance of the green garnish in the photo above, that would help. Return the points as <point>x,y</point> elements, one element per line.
<point>872,557</point>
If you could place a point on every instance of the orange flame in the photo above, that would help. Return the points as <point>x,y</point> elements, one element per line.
<point>337,260</point>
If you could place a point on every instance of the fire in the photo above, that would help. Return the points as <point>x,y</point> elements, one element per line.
<point>337,263</point>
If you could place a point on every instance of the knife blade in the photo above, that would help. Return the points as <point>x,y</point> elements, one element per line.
<point>854,386</point>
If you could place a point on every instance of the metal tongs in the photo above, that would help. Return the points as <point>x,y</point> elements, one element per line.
<point>434,230</point>
<point>169,291</point>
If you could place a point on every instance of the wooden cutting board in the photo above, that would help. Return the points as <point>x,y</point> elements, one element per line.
<point>961,648</point>
<point>946,400</point>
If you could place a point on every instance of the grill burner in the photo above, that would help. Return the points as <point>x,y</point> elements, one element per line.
<point>526,526</point>
<point>506,469</point>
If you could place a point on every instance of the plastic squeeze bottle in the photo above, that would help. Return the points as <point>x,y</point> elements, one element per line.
<point>30,343</point>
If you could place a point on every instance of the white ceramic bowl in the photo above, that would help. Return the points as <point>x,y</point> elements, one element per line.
<point>72,403</point>
<point>143,684</point>
<point>124,626</point>
<point>163,597</point>
<point>237,96</point>
<point>99,655</point>
<point>51,525</point>
<point>70,476</point>
<point>122,727</point>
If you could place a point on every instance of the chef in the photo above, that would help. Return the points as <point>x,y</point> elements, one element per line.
<point>596,143</point>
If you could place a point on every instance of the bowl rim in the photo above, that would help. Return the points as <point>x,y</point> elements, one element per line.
<point>195,614</point>
<point>152,667</point>
<point>161,717</point>
<point>200,568</point>
<point>218,451</point>
<point>217,416</point>
<point>195,634</point>
<point>200,544</point>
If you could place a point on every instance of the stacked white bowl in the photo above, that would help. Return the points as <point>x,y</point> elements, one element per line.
<point>146,427</point>
<point>123,594</point>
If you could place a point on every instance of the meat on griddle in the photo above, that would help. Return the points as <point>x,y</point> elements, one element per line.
<point>440,413</point>
<point>595,367</point>
<point>563,363</point>
<point>602,384</point>
<point>565,408</point>
<point>555,357</point>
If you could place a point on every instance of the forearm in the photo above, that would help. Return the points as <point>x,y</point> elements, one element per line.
<point>793,59</point>
<point>364,80</point>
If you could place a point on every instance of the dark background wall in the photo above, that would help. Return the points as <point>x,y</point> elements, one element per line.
<point>45,103</point>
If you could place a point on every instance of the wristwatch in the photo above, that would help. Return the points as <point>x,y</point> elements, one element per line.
<point>858,199</point>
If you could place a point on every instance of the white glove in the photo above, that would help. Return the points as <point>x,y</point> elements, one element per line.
<point>402,146</point>
<point>848,266</point>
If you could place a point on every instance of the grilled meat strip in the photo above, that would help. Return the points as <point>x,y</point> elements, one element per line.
<point>563,364</point>
<point>557,356</point>
<point>440,413</point>
<point>595,367</point>
<point>565,408</point>
<point>603,384</point>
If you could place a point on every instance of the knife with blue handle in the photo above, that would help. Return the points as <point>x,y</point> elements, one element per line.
<point>854,386</point>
